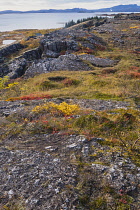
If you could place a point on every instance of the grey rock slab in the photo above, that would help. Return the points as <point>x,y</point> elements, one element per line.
<point>101,62</point>
<point>69,62</point>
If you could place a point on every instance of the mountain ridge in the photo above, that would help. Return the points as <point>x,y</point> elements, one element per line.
<point>118,8</point>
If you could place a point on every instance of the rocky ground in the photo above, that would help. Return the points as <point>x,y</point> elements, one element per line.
<point>59,171</point>
<point>68,172</point>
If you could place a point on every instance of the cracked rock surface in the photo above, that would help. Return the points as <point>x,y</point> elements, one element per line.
<point>49,177</point>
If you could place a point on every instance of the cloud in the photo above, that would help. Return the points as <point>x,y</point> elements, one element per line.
<point>60,4</point>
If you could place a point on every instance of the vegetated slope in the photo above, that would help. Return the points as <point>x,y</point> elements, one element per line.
<point>70,139</point>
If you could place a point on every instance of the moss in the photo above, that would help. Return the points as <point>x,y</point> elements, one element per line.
<point>99,203</point>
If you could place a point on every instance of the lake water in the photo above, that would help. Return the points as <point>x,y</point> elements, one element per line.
<point>5,42</point>
<point>9,22</point>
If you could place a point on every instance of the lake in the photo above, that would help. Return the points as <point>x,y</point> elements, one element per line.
<point>9,22</point>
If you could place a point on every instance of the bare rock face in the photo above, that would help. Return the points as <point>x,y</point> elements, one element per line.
<point>68,62</point>
<point>58,46</point>
<point>4,70</point>
<point>10,49</point>
<point>100,62</point>
<point>4,52</point>
<point>64,62</point>
<point>17,68</point>
<point>33,54</point>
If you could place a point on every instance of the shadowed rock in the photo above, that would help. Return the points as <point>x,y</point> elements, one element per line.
<point>17,68</point>
<point>10,49</point>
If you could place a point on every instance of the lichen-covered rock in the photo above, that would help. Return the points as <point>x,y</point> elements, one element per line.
<point>51,177</point>
<point>68,62</point>
<point>101,62</point>
<point>64,62</point>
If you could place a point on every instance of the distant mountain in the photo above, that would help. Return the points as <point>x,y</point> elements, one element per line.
<point>122,8</point>
<point>9,12</point>
<point>119,8</point>
<point>76,10</point>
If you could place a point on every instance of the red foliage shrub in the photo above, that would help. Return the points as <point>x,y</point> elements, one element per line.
<point>29,97</point>
<point>134,74</point>
<point>135,68</point>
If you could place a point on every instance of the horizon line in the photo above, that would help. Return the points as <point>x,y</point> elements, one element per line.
<point>66,8</point>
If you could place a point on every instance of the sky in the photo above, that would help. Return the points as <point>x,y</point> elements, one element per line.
<point>24,5</point>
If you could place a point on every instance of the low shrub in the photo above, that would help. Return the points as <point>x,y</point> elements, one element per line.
<point>109,71</point>
<point>58,109</point>
<point>3,82</point>
<point>29,97</point>
<point>46,85</point>
<point>10,85</point>
<point>68,82</point>
<point>134,74</point>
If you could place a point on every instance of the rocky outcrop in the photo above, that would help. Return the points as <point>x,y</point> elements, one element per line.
<point>54,45</point>
<point>4,70</point>
<point>10,49</point>
<point>68,62</point>
<point>55,48</point>
<point>33,54</point>
<point>7,51</point>
<point>64,62</point>
<point>100,62</point>
<point>17,68</point>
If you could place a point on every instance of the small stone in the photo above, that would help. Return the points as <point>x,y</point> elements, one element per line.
<point>10,193</point>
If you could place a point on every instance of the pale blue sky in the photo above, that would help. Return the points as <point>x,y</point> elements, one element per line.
<point>60,4</point>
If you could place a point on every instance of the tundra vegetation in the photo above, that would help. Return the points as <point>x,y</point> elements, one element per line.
<point>43,114</point>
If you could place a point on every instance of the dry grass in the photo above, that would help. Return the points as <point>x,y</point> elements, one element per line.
<point>119,86</point>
